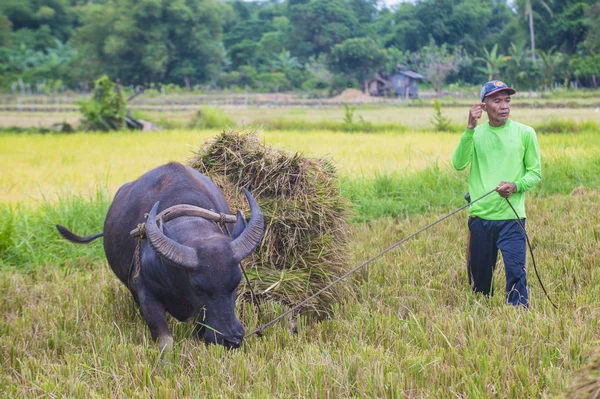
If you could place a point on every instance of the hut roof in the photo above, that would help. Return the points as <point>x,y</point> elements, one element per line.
<point>411,74</point>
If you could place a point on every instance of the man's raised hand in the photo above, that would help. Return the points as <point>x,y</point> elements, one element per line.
<point>474,115</point>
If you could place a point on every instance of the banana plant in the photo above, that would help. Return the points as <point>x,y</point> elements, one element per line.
<point>493,62</point>
<point>551,60</point>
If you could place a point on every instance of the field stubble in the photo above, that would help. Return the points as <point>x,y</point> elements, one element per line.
<point>413,329</point>
<point>412,117</point>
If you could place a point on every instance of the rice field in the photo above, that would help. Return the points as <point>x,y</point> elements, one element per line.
<point>37,167</point>
<point>418,118</point>
<point>44,166</point>
<point>412,329</point>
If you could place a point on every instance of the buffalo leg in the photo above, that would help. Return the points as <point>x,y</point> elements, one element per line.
<point>155,315</point>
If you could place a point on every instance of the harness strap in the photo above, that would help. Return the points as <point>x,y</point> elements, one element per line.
<point>180,210</point>
<point>136,265</point>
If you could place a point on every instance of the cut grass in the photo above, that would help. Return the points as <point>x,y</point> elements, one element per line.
<point>304,243</point>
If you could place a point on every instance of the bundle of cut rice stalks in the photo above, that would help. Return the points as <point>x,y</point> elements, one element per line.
<point>587,380</point>
<point>304,246</point>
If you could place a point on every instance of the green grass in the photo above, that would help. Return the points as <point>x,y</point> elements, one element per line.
<point>28,235</point>
<point>440,188</point>
<point>567,126</point>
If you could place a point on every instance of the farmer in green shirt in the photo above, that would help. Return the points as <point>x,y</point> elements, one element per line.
<point>503,154</point>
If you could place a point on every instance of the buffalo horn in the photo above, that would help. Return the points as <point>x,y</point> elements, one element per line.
<point>170,250</point>
<point>250,237</point>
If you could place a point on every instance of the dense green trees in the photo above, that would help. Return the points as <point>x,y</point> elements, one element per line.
<point>359,58</point>
<point>277,45</point>
<point>141,41</point>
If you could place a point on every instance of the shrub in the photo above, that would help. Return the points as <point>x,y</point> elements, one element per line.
<point>107,109</point>
<point>439,121</point>
<point>211,118</point>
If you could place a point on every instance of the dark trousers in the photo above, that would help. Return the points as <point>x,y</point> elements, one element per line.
<point>486,238</point>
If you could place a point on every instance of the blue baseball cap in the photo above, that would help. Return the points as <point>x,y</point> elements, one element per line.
<point>494,86</point>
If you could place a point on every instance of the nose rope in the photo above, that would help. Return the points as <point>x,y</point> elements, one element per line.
<point>254,298</point>
<point>260,329</point>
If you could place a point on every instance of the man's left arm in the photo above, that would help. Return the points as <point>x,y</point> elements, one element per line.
<point>533,164</point>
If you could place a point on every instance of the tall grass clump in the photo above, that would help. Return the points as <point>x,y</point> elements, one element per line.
<point>351,125</point>
<point>567,126</point>
<point>304,243</point>
<point>440,122</point>
<point>211,118</point>
<point>405,194</point>
<point>28,235</point>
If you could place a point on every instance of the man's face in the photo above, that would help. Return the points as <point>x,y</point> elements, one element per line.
<point>497,107</point>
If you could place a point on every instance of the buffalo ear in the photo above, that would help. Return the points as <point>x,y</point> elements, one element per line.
<point>240,225</point>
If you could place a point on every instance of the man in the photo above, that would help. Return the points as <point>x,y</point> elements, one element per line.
<point>503,154</point>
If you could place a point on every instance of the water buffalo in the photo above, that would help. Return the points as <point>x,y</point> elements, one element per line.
<point>188,265</point>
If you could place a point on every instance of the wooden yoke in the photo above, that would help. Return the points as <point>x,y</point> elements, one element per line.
<point>188,210</point>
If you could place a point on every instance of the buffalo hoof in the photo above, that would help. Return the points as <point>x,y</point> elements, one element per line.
<point>165,343</point>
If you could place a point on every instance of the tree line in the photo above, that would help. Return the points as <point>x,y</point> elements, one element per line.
<point>309,45</point>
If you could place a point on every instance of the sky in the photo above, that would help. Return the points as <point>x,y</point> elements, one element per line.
<point>390,3</point>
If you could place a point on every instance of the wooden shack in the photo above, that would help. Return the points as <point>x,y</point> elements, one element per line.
<point>378,87</point>
<point>405,83</point>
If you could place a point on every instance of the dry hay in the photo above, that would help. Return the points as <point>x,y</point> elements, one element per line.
<point>304,246</point>
<point>587,380</point>
<point>581,190</point>
<point>354,96</point>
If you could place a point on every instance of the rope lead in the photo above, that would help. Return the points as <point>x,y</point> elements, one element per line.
<point>518,220</point>
<point>348,273</point>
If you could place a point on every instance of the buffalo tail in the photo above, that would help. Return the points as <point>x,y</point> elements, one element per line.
<point>66,233</point>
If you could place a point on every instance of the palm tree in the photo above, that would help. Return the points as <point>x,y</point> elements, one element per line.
<point>526,6</point>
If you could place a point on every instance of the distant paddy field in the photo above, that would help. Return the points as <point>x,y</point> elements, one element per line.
<point>35,167</point>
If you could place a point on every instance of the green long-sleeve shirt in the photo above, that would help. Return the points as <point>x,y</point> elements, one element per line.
<point>507,153</point>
